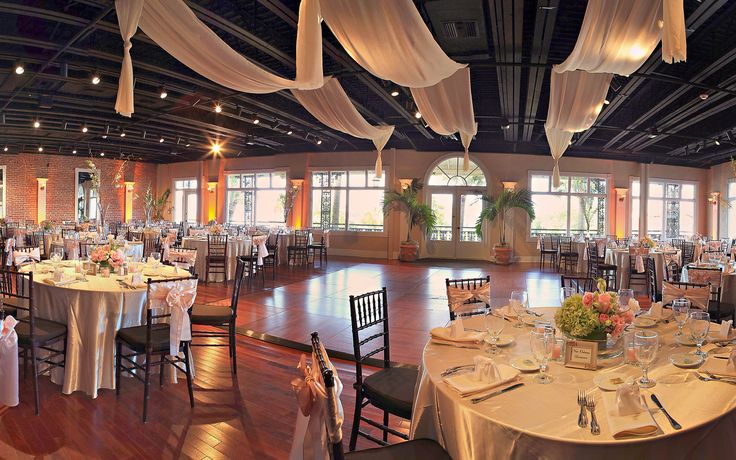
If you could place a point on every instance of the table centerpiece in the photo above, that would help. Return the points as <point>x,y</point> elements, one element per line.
<point>108,256</point>
<point>595,317</point>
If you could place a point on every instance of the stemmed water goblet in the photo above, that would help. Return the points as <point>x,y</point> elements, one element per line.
<point>680,311</point>
<point>698,323</point>
<point>646,344</point>
<point>519,304</point>
<point>494,323</point>
<point>542,343</point>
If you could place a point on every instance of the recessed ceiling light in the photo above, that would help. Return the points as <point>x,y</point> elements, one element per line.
<point>5,149</point>
<point>395,92</point>
<point>160,140</point>
<point>40,148</point>
<point>122,134</point>
<point>703,96</point>
<point>104,136</point>
<point>319,141</point>
<point>289,132</point>
<point>74,151</point>
<point>19,69</point>
<point>505,124</point>
<point>256,120</point>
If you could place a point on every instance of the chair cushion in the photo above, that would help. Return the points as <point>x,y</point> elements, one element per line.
<point>45,332</point>
<point>607,267</point>
<point>418,449</point>
<point>211,314</point>
<point>135,337</point>
<point>569,254</point>
<point>392,389</point>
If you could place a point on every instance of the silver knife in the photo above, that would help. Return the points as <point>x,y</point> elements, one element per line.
<point>672,421</point>
<point>496,393</point>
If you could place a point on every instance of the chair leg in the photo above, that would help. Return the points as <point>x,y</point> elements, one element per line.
<point>356,420</point>
<point>146,385</point>
<point>233,347</point>
<point>118,366</point>
<point>34,368</point>
<point>385,423</point>
<point>189,373</point>
<point>161,368</point>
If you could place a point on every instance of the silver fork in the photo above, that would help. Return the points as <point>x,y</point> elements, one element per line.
<point>452,370</point>
<point>595,429</point>
<point>721,379</point>
<point>708,379</point>
<point>583,417</point>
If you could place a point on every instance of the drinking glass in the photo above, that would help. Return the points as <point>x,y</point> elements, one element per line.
<point>646,344</point>
<point>629,348</point>
<point>698,323</point>
<point>494,322</point>
<point>680,311</point>
<point>542,345</point>
<point>519,303</point>
<point>624,295</point>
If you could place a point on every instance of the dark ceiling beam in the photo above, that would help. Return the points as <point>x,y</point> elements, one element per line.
<point>79,35</point>
<point>340,56</point>
<point>506,28</point>
<point>703,13</point>
<point>544,26</point>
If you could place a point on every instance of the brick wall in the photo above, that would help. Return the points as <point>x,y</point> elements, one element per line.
<point>21,185</point>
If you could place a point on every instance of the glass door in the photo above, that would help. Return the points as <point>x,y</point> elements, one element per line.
<point>186,201</point>
<point>441,242</point>
<point>454,236</point>
<point>468,244</point>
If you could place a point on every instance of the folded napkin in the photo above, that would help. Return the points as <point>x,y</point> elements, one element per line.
<point>625,426</point>
<point>721,331</point>
<point>456,334</point>
<point>486,370</point>
<point>722,367</point>
<point>656,311</point>
<point>634,306</point>
<point>467,384</point>
<point>629,400</point>
<point>63,282</point>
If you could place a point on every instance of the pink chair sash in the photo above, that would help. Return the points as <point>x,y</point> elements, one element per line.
<point>22,258</point>
<point>700,276</point>
<point>457,297</point>
<point>8,362</point>
<point>698,296</point>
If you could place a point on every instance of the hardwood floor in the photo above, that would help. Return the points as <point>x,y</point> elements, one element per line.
<point>252,416</point>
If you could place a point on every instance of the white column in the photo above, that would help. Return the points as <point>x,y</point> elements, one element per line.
<point>643,199</point>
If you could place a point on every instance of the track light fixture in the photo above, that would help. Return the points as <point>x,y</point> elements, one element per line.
<point>395,92</point>
<point>162,92</point>
<point>18,67</point>
<point>5,149</point>
<point>218,107</point>
<point>161,140</point>
<point>36,123</point>
<point>505,124</point>
<point>700,147</point>
<point>96,78</point>
<point>102,154</point>
<point>256,120</point>
<point>84,128</point>
<point>289,132</point>
<point>417,114</point>
<point>40,148</point>
<point>319,141</point>
<point>74,151</point>
<point>122,133</point>
<point>606,101</point>
<point>653,132</point>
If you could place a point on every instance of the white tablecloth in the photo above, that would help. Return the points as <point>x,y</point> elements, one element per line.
<point>93,311</point>
<point>133,249</point>
<point>540,421</point>
<point>236,246</point>
<point>620,258</point>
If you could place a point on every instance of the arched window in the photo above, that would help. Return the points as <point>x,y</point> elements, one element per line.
<point>450,173</point>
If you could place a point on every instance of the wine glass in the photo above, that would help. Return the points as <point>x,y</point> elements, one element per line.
<point>494,322</point>
<point>542,344</point>
<point>646,344</point>
<point>698,323</point>
<point>624,296</point>
<point>519,304</point>
<point>680,311</point>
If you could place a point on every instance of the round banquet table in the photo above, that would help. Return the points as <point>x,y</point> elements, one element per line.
<point>540,421</point>
<point>93,312</point>
<point>236,246</point>
<point>620,258</point>
<point>133,249</point>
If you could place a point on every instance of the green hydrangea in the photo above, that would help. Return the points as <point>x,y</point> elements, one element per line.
<point>576,320</point>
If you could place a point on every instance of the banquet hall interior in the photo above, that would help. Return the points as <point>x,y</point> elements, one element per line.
<point>367,229</point>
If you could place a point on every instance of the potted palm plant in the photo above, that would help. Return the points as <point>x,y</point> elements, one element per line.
<point>417,215</point>
<point>497,208</point>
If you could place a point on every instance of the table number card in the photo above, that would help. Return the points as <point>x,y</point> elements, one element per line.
<point>581,354</point>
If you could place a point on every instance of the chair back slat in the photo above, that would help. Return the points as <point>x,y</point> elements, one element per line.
<point>366,311</point>
<point>467,284</point>
<point>334,427</point>
<point>217,245</point>
<point>16,290</point>
<point>580,284</point>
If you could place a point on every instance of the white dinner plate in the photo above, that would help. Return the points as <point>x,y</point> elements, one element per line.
<point>505,340</point>
<point>610,381</point>
<point>686,360</point>
<point>524,363</point>
<point>644,322</point>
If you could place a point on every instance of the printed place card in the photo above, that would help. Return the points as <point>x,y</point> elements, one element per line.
<point>581,354</point>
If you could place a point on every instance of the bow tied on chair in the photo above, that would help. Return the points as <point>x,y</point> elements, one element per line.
<point>23,258</point>
<point>179,297</point>
<point>9,244</point>
<point>166,245</point>
<point>457,297</point>
<point>8,362</point>
<point>698,296</point>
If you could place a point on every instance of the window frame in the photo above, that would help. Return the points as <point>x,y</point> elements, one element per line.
<point>664,199</point>
<point>255,189</point>
<point>4,210</point>
<point>197,189</point>
<point>568,193</point>
<point>347,188</point>
<point>732,209</point>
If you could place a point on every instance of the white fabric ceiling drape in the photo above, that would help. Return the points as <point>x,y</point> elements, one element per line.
<point>176,29</point>
<point>674,34</point>
<point>129,13</point>
<point>331,106</point>
<point>389,39</point>
<point>447,108</point>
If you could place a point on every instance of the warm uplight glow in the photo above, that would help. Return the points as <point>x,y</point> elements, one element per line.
<point>637,52</point>
<point>41,199</point>
<point>129,197</point>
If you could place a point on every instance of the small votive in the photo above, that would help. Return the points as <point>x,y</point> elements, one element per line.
<point>558,351</point>
<point>105,272</point>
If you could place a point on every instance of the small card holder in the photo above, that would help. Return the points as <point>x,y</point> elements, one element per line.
<point>581,354</point>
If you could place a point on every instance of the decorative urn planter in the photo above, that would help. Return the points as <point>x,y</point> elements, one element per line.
<point>409,251</point>
<point>502,254</point>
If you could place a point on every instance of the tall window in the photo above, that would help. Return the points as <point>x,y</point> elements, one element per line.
<point>185,200</point>
<point>256,198</point>
<point>450,172</point>
<point>348,200</point>
<point>577,206</point>
<point>670,208</point>
<point>732,209</point>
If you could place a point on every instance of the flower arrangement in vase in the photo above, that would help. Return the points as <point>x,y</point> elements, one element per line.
<point>47,225</point>
<point>647,242</point>
<point>217,229</point>
<point>594,316</point>
<point>108,255</point>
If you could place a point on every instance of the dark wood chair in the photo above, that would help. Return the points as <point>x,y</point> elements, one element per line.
<point>468,284</point>
<point>318,248</point>
<point>297,253</point>
<point>151,243</point>
<point>85,249</point>
<point>654,289</point>
<point>712,276</point>
<point>579,283</point>
<point>134,236</point>
<point>636,278</point>
<point>688,253</point>
<point>390,389</point>
<point>598,268</point>
<point>253,269</point>
<point>185,258</point>
<point>152,341</point>
<point>549,247</point>
<point>568,261</point>
<point>38,240</point>
<point>35,334</point>
<point>216,260</point>
<point>272,259</point>
<point>213,317</point>
<point>425,449</point>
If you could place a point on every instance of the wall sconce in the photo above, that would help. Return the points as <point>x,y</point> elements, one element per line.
<point>296,184</point>
<point>211,186</point>
<point>714,197</point>
<point>405,183</point>
<point>509,185</point>
<point>42,183</point>
<point>621,193</point>
<point>129,186</point>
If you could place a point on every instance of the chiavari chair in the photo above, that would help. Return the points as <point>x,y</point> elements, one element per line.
<point>151,243</point>
<point>321,248</point>
<point>549,247</point>
<point>297,253</point>
<point>713,277</point>
<point>579,283</point>
<point>272,259</point>
<point>655,291</point>
<point>185,258</point>
<point>468,284</point>
<point>568,255</point>
<point>216,260</point>
<point>636,277</point>
<point>598,268</point>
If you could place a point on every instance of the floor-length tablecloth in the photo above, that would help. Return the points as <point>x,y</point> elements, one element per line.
<point>236,246</point>
<point>620,258</point>
<point>540,421</point>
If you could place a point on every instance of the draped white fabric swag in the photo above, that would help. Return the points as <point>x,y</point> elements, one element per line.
<point>448,108</point>
<point>331,106</point>
<point>8,362</point>
<point>176,29</point>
